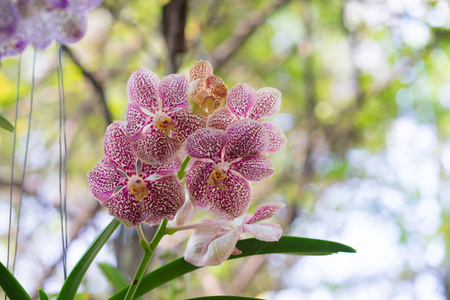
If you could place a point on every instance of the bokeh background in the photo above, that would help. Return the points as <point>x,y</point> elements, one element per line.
<point>365,107</point>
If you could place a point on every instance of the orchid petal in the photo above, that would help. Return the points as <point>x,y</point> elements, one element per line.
<point>240,99</point>
<point>9,18</point>
<point>136,121</point>
<point>40,31</point>
<point>264,232</point>
<point>245,137</point>
<point>58,3</point>
<point>186,123</point>
<point>265,211</point>
<point>254,167</point>
<point>68,26</point>
<point>126,208</point>
<point>142,89</point>
<point>206,143</point>
<point>118,148</point>
<point>197,182</point>
<point>104,179</point>
<point>15,45</point>
<point>173,91</point>
<point>221,118</point>
<point>156,148</point>
<point>166,196</point>
<point>216,86</point>
<point>201,69</point>
<point>267,103</point>
<point>231,202</point>
<point>277,139</point>
<point>161,170</point>
<point>185,214</point>
<point>83,5</point>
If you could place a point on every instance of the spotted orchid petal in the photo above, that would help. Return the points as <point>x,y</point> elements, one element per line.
<point>201,69</point>
<point>240,99</point>
<point>40,30</point>
<point>211,246</point>
<point>232,201</point>
<point>277,139</point>
<point>265,211</point>
<point>143,89</point>
<point>206,143</point>
<point>186,123</point>
<point>221,118</point>
<point>58,3</point>
<point>166,196</point>
<point>173,91</point>
<point>254,167</point>
<point>124,207</point>
<point>15,45</point>
<point>8,20</point>
<point>117,147</point>
<point>245,137</point>
<point>197,182</point>
<point>136,121</point>
<point>161,170</point>
<point>156,148</point>
<point>267,103</point>
<point>265,232</point>
<point>185,214</point>
<point>68,26</point>
<point>104,179</point>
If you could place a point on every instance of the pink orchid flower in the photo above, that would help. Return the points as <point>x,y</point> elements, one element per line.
<point>214,241</point>
<point>223,164</point>
<point>125,185</point>
<point>244,102</point>
<point>158,116</point>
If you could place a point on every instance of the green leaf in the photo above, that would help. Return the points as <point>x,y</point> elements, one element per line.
<point>117,279</point>
<point>70,286</point>
<point>224,298</point>
<point>12,288</point>
<point>249,247</point>
<point>5,124</point>
<point>42,295</point>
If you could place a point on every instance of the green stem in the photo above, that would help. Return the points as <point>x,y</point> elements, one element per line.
<point>148,253</point>
<point>181,173</point>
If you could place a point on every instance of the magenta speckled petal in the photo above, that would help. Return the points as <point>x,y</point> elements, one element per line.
<point>245,137</point>
<point>265,211</point>
<point>126,208</point>
<point>277,138</point>
<point>68,26</point>
<point>240,99</point>
<point>142,89</point>
<point>104,179</point>
<point>156,148</point>
<point>254,167</point>
<point>267,103</point>
<point>211,246</point>
<point>231,202</point>
<point>118,148</point>
<point>9,18</point>
<point>136,121</point>
<point>166,196</point>
<point>173,91</point>
<point>221,118</point>
<point>265,232</point>
<point>161,170</point>
<point>83,5</point>
<point>197,182</point>
<point>206,143</point>
<point>186,123</point>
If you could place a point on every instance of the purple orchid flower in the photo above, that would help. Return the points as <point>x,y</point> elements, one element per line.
<point>40,21</point>
<point>125,185</point>
<point>213,242</point>
<point>224,163</point>
<point>244,102</point>
<point>158,116</point>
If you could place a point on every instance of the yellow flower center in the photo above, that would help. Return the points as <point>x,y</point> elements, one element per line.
<point>164,122</point>
<point>138,187</point>
<point>216,177</point>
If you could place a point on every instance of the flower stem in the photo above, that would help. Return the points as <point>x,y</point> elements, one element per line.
<point>181,173</point>
<point>148,253</point>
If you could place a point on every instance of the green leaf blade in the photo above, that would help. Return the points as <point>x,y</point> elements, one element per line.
<point>249,247</point>
<point>5,124</point>
<point>42,295</point>
<point>116,278</point>
<point>12,288</point>
<point>70,286</point>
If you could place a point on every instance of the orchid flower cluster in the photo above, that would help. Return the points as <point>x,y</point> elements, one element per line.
<point>227,148</point>
<point>39,22</point>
